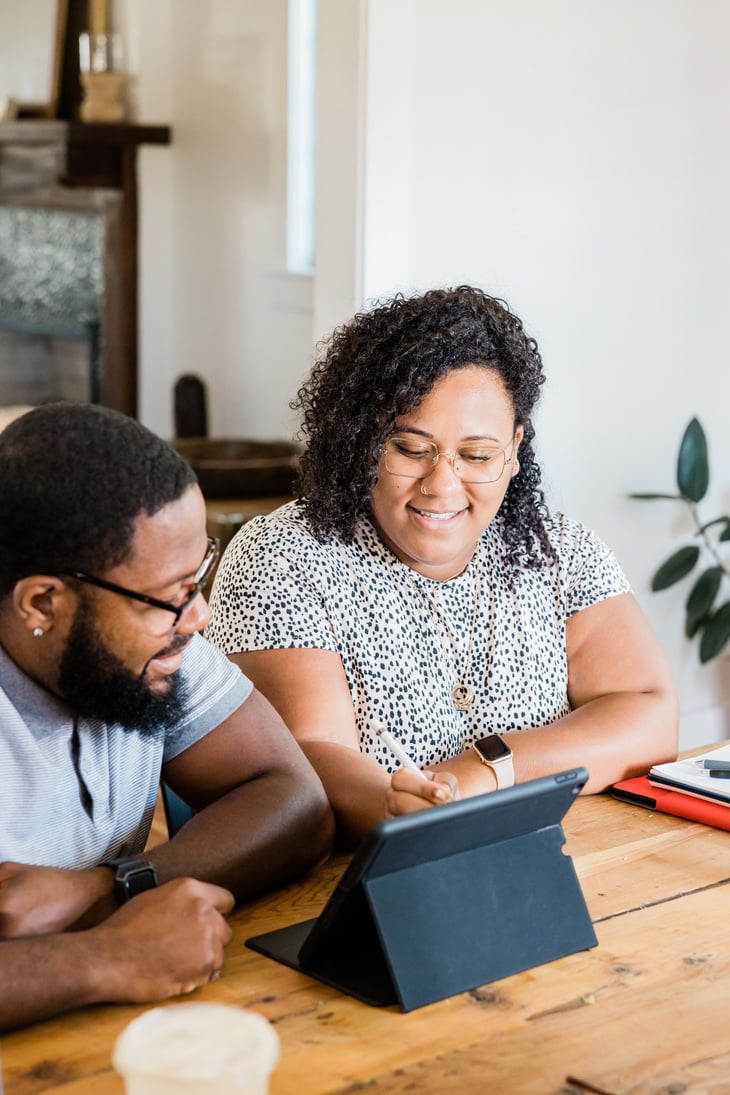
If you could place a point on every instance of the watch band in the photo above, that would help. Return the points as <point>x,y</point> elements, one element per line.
<point>132,876</point>
<point>494,751</point>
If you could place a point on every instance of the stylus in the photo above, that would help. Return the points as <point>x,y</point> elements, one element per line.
<point>715,765</point>
<point>398,751</point>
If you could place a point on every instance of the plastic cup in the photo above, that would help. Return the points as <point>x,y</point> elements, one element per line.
<point>197,1048</point>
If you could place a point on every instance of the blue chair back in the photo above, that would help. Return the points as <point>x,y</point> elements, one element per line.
<point>177,812</point>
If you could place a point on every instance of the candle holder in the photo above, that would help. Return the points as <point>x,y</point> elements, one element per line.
<point>102,78</point>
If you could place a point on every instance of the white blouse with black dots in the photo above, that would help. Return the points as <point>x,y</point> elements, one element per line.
<point>279,588</point>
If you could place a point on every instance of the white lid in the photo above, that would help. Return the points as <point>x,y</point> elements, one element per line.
<point>197,1042</point>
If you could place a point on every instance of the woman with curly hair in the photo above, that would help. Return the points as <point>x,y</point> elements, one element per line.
<point>419,583</point>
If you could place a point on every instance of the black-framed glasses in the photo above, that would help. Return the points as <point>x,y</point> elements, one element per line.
<point>473,462</point>
<point>201,576</point>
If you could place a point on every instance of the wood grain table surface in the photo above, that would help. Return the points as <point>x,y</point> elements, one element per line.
<point>643,1013</point>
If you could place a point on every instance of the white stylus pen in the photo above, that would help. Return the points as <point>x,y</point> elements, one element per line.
<point>398,752</point>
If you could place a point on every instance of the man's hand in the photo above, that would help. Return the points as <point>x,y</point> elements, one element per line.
<point>409,791</point>
<point>40,900</point>
<point>161,943</point>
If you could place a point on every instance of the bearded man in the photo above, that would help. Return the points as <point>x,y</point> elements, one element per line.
<point>107,687</point>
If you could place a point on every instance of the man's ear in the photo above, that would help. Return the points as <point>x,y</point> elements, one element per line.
<point>40,600</point>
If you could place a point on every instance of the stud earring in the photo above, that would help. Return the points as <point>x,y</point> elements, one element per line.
<point>38,632</point>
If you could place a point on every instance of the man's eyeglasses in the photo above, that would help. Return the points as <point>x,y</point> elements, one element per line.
<point>416,458</point>
<point>199,579</point>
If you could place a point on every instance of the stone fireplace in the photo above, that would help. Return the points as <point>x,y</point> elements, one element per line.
<point>68,261</point>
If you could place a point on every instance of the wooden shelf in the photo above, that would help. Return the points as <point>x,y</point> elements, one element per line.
<point>77,166</point>
<point>43,130</point>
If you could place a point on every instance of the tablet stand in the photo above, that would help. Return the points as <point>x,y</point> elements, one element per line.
<point>425,932</point>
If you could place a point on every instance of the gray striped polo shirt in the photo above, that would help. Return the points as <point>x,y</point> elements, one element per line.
<point>74,792</point>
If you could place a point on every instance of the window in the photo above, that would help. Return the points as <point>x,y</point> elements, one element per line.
<point>301,128</point>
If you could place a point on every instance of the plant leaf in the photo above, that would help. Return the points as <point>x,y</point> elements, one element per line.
<point>676,567</point>
<point>704,591</point>
<point>715,521</point>
<point>692,625</point>
<point>653,497</point>
<point>693,470</point>
<point>715,634</point>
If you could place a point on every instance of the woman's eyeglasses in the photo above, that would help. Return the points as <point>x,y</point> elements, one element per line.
<point>416,458</point>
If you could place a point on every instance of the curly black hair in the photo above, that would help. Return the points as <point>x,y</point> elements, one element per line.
<point>380,365</point>
<point>73,479</point>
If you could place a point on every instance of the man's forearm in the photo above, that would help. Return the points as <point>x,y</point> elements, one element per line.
<point>260,835</point>
<point>45,975</point>
<point>161,943</point>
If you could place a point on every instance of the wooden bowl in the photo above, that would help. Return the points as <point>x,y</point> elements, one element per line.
<point>231,468</point>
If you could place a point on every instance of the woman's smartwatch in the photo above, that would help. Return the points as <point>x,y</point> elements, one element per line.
<point>497,755</point>
<point>131,876</point>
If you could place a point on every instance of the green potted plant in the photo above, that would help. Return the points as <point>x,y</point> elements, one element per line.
<point>706,613</point>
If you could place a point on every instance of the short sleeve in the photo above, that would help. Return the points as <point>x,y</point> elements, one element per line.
<point>270,591</point>
<point>590,571</point>
<point>213,689</point>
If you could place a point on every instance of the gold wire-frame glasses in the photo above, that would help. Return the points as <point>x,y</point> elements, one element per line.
<point>473,462</point>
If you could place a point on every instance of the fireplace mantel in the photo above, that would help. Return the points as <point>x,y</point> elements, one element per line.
<point>86,173</point>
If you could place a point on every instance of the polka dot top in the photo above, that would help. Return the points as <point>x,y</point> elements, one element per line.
<point>403,638</point>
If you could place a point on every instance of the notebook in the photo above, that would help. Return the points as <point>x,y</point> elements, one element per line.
<point>449,898</point>
<point>689,777</point>
<point>639,792</point>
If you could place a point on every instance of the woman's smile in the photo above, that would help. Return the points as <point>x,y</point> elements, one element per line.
<point>433,523</point>
<point>433,515</point>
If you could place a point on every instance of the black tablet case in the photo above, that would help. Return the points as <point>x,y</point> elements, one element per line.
<point>447,899</point>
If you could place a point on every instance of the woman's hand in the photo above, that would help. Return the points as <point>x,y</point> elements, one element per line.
<point>409,791</point>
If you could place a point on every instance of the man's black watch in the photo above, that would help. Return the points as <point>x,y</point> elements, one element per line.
<point>131,876</point>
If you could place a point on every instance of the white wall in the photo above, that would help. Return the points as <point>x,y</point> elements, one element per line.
<point>571,158</point>
<point>338,283</point>
<point>215,297</point>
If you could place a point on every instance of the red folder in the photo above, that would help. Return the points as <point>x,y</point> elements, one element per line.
<point>642,793</point>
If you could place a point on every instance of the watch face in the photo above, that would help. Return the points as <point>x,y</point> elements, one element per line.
<point>140,879</point>
<point>133,876</point>
<point>494,748</point>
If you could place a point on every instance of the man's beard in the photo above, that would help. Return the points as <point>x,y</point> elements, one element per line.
<point>99,686</point>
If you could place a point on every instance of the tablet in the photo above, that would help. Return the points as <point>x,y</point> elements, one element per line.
<point>447,899</point>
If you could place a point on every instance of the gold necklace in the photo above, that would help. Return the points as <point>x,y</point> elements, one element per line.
<point>462,692</point>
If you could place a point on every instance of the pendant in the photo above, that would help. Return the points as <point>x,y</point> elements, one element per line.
<point>463,696</point>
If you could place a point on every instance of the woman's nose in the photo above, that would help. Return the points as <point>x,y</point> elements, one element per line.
<point>442,475</point>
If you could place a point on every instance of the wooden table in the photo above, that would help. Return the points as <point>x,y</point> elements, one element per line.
<point>644,1012</point>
